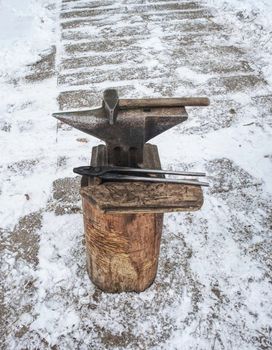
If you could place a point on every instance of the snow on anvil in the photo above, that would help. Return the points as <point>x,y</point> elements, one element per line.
<point>213,288</point>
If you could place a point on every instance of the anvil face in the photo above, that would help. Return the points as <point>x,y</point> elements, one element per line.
<point>131,130</point>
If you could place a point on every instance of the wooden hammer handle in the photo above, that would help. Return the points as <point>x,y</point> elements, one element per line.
<point>163,102</point>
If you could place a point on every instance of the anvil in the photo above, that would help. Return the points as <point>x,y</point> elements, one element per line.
<point>125,125</point>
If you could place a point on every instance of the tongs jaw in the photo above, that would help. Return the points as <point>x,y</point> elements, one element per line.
<point>115,173</point>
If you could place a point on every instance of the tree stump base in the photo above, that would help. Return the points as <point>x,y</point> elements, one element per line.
<point>123,225</point>
<point>122,249</point>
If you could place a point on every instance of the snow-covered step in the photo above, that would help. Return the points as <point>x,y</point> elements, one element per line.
<point>75,36</point>
<point>237,83</point>
<point>110,61</point>
<point>151,16</point>
<point>100,46</point>
<point>189,46</point>
<point>99,61</point>
<point>80,98</point>
<point>99,76</point>
<point>132,9</point>
<point>148,45</point>
<point>184,28</point>
<point>104,4</point>
<point>68,5</point>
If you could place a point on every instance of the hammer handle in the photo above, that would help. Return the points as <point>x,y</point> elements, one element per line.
<point>163,102</point>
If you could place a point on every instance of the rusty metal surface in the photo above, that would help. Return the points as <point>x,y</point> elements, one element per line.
<point>126,125</point>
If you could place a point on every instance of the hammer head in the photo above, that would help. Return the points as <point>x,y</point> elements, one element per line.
<point>110,104</point>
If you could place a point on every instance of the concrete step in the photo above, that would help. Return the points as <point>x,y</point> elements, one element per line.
<point>105,31</point>
<point>217,67</point>
<point>200,28</point>
<point>101,45</point>
<point>155,17</point>
<point>97,61</point>
<point>184,46</point>
<point>206,51</point>
<point>88,98</point>
<point>132,58</point>
<point>69,5</point>
<point>104,4</point>
<point>155,81</point>
<point>240,83</point>
<point>197,25</point>
<point>132,9</point>
<point>110,75</point>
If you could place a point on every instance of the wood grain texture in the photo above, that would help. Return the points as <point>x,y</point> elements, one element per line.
<point>163,102</point>
<point>137,197</point>
<point>123,224</point>
<point>122,249</point>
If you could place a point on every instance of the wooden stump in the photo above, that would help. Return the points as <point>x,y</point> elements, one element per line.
<point>122,249</point>
<point>123,225</point>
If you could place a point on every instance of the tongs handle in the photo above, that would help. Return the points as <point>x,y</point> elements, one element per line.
<point>97,171</point>
<point>119,177</point>
<point>114,173</point>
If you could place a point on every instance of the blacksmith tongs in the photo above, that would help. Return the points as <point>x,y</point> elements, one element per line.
<point>117,173</point>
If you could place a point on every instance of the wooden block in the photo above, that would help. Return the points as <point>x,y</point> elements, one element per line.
<point>122,249</point>
<point>139,197</point>
<point>116,197</point>
<point>123,225</point>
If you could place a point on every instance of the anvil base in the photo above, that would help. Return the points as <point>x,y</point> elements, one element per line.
<point>123,225</point>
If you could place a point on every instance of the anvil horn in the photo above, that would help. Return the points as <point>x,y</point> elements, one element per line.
<point>88,121</point>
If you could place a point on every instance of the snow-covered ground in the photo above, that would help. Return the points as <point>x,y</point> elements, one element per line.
<point>213,289</point>
<point>251,21</point>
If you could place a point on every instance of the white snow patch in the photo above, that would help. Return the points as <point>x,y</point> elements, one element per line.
<point>25,30</point>
<point>251,21</point>
<point>188,74</point>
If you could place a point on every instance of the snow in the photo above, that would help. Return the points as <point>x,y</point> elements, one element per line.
<point>250,156</point>
<point>252,20</point>
<point>25,29</point>
<point>213,288</point>
<point>188,74</point>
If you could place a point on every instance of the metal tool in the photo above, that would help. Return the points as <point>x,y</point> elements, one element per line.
<point>127,124</point>
<point>111,104</point>
<point>114,173</point>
